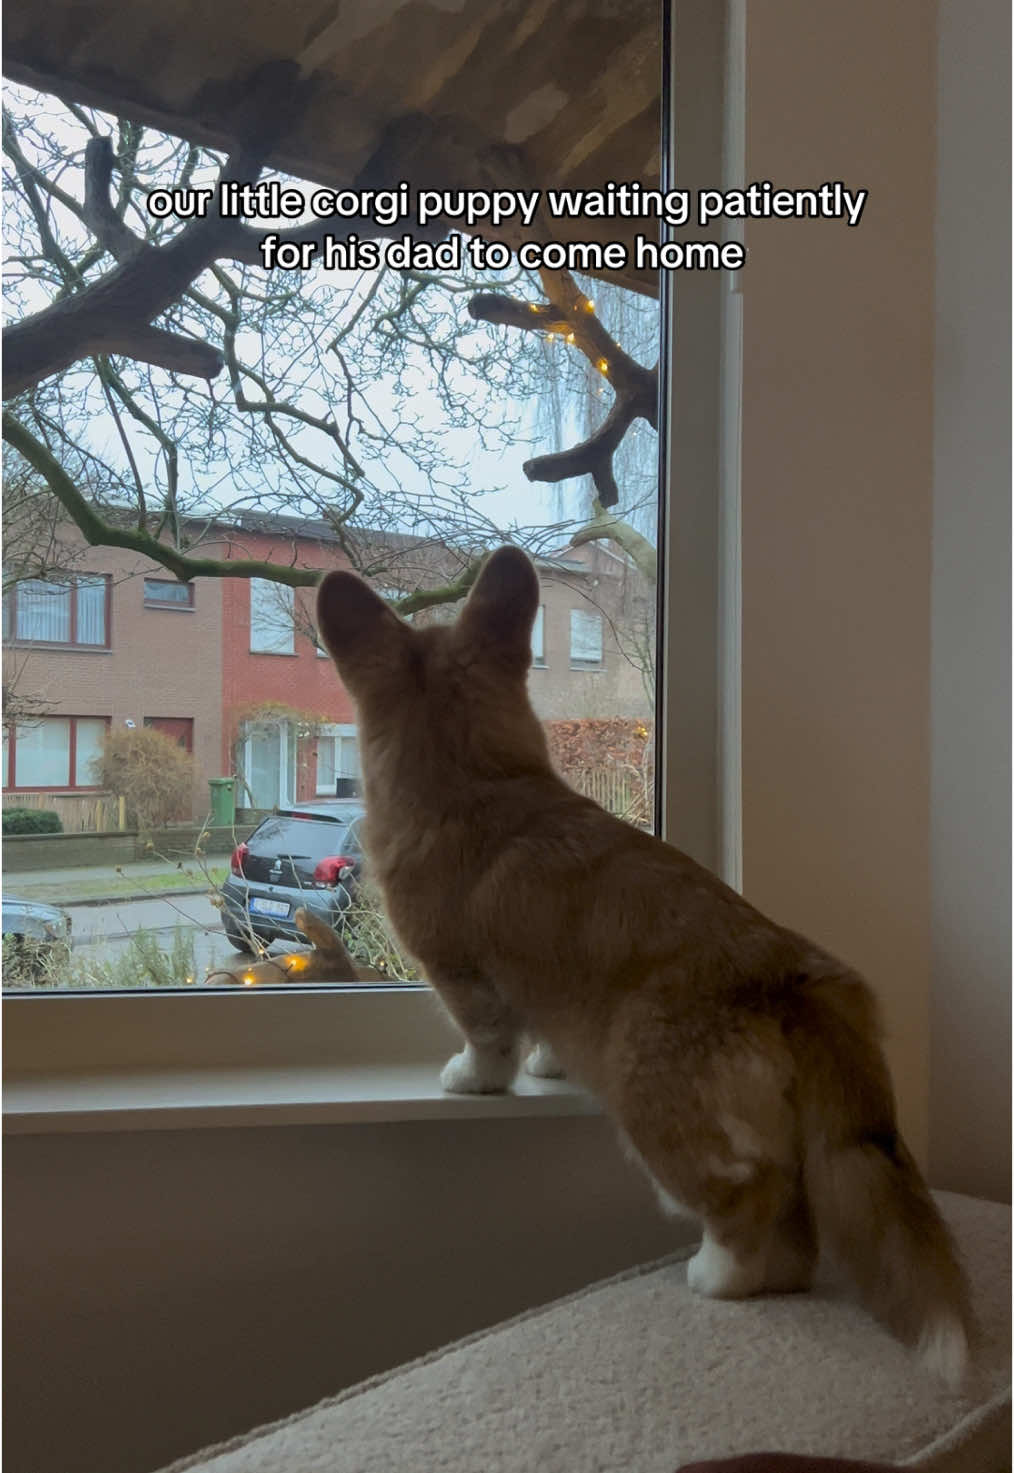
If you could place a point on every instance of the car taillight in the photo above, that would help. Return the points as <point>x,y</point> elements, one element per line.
<point>328,871</point>
<point>238,855</point>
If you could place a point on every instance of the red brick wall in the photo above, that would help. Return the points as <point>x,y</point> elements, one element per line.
<point>302,680</point>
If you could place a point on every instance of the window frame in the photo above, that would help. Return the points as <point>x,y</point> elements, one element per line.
<point>10,757</point>
<point>333,732</point>
<point>576,662</point>
<point>68,1038</point>
<point>539,661</point>
<point>265,585</point>
<point>73,582</point>
<point>175,605</point>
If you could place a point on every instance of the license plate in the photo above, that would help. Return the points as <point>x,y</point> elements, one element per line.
<point>269,907</point>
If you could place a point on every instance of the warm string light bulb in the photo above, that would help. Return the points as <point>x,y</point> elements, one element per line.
<point>603,365</point>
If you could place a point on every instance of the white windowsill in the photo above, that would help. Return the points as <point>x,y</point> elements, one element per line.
<point>273,1057</point>
<point>200,1098</point>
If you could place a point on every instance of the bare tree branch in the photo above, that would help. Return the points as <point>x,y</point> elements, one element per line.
<point>569,313</point>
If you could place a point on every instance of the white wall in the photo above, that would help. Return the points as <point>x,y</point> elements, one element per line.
<point>836,501</point>
<point>166,1289</point>
<point>970,1143</point>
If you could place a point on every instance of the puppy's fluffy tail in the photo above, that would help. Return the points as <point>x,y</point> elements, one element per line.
<point>868,1198</point>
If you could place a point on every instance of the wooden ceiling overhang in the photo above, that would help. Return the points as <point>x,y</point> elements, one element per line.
<point>449,94</point>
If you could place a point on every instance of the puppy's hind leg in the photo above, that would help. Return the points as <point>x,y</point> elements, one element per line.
<point>757,1237</point>
<point>542,1063</point>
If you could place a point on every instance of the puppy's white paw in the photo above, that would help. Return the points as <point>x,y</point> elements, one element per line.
<point>543,1063</point>
<point>471,1073</point>
<point>718,1274</point>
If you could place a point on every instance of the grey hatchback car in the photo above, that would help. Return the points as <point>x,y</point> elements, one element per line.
<point>307,855</point>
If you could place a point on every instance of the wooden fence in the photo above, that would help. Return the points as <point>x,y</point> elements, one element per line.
<point>621,790</point>
<point>80,813</point>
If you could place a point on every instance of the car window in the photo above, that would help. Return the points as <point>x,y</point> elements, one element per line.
<point>299,836</point>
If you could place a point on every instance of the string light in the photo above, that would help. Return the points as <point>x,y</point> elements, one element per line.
<point>570,337</point>
<point>602,365</point>
<point>589,305</point>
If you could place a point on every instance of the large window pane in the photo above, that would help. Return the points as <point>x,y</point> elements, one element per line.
<point>271,610</point>
<point>585,637</point>
<point>91,733</point>
<point>43,611</point>
<point>42,754</point>
<point>91,611</point>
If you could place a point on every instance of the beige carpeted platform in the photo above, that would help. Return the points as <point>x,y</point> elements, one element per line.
<point>636,1375</point>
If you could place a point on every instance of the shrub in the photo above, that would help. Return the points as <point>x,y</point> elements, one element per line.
<point>31,821</point>
<point>150,772</point>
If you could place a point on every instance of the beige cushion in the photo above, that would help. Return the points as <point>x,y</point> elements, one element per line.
<point>637,1375</point>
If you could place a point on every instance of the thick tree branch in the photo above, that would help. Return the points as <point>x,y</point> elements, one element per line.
<point>569,314</point>
<point>99,533</point>
<point>606,528</point>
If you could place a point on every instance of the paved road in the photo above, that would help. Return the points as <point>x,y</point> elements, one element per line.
<point>102,932</point>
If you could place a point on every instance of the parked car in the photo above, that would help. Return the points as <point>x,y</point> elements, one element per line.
<point>308,855</point>
<point>38,932</point>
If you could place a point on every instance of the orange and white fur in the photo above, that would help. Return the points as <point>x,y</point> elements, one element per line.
<point>739,1060</point>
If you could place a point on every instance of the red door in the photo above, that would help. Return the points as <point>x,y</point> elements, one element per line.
<point>179,729</point>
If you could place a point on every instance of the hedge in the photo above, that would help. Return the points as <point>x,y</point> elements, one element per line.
<point>31,821</point>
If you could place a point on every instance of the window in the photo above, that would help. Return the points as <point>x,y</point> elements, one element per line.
<point>166,593</point>
<point>429,545</point>
<point>72,612</point>
<point>539,637</point>
<point>179,729</point>
<point>585,639</point>
<point>272,606</point>
<point>338,762</point>
<point>55,752</point>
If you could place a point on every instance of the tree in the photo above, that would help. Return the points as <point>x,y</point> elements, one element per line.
<point>186,378</point>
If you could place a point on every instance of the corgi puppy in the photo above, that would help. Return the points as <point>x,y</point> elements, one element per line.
<point>740,1061</point>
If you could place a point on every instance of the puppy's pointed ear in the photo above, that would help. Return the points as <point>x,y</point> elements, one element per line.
<point>501,608</point>
<point>351,618</point>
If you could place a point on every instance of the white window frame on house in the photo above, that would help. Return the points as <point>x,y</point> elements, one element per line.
<point>287,742</point>
<point>334,734</point>
<point>272,618</point>
<point>152,1059</point>
<point>586,639</point>
<point>539,639</point>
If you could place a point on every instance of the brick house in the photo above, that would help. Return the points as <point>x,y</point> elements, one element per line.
<point>117,642</point>
<point>231,669</point>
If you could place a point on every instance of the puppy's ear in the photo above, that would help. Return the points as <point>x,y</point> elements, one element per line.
<point>501,608</point>
<point>351,618</point>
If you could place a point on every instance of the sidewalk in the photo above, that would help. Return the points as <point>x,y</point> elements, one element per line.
<point>147,879</point>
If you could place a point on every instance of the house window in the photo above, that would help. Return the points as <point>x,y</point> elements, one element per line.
<point>539,637</point>
<point>54,752</point>
<point>272,606</point>
<point>585,639</point>
<point>267,758</point>
<point>166,593</point>
<point>338,762</point>
<point>72,612</point>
